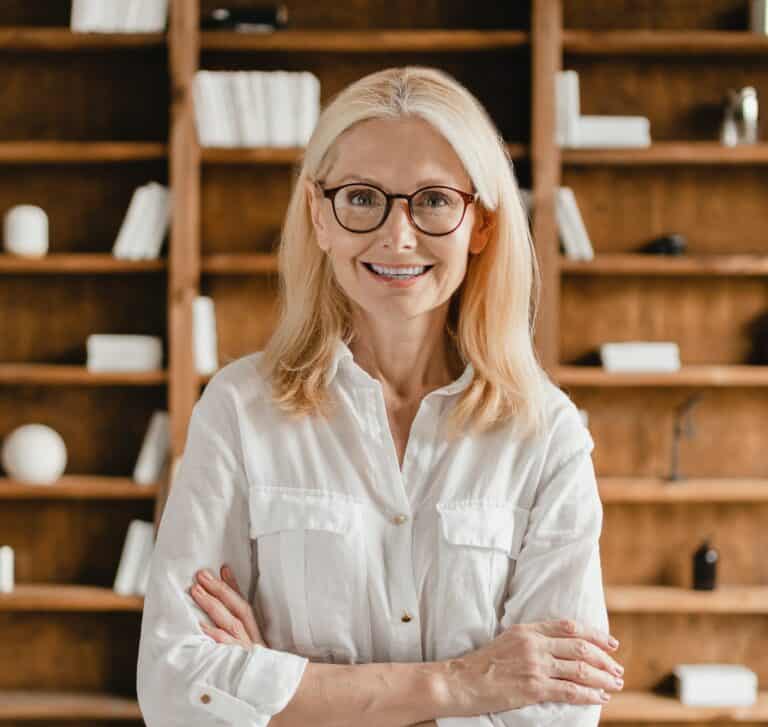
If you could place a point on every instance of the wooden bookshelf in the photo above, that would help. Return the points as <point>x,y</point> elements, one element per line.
<point>36,705</point>
<point>78,263</point>
<point>648,708</point>
<point>80,487</point>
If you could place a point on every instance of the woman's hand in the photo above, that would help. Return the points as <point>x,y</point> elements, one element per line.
<point>232,615</point>
<point>548,661</point>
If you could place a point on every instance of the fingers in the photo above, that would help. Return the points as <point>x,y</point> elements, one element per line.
<point>568,628</point>
<point>584,673</point>
<point>216,634</point>
<point>583,651</point>
<point>573,693</point>
<point>218,612</point>
<point>229,578</point>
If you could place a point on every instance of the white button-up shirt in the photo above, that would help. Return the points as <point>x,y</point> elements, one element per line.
<point>347,559</point>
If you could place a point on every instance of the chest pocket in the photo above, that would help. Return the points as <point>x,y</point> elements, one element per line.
<point>312,572</point>
<point>479,543</point>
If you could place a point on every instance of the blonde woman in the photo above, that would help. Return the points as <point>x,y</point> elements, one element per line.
<point>405,504</point>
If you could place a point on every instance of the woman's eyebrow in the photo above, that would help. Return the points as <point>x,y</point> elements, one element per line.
<point>368,180</point>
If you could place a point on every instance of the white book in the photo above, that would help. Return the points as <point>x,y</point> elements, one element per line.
<point>758,17</point>
<point>205,339</point>
<point>77,16</point>
<point>279,110</point>
<point>127,227</point>
<point>640,356</point>
<point>612,131</point>
<point>259,102</point>
<point>572,228</point>
<point>123,352</point>
<point>157,16</point>
<point>215,86</point>
<point>162,223</point>
<point>137,241</point>
<point>309,105</point>
<point>134,14</point>
<point>228,106</point>
<point>240,88</point>
<point>203,105</point>
<point>113,18</point>
<point>154,451</point>
<point>567,107</point>
<point>137,548</point>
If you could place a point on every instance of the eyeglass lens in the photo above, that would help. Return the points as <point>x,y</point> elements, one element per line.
<point>435,210</point>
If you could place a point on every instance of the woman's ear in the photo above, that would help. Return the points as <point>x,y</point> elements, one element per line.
<point>314,199</point>
<point>484,227</point>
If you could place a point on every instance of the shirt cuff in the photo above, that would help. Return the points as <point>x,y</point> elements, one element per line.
<point>269,680</point>
<point>479,720</point>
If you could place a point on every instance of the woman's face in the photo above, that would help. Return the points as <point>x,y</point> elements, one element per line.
<point>399,156</point>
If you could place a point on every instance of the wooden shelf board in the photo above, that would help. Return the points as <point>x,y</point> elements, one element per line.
<point>29,705</point>
<point>80,487</point>
<point>666,42</point>
<point>290,154</point>
<point>692,375</point>
<point>614,490</point>
<point>79,152</point>
<point>364,41</point>
<point>668,599</point>
<point>240,263</point>
<point>643,264</point>
<point>78,263</point>
<point>21,38</point>
<point>648,707</point>
<point>66,597</point>
<point>671,152</point>
<point>52,374</point>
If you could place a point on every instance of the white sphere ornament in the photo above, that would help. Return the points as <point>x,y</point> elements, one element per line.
<point>34,454</point>
<point>25,230</point>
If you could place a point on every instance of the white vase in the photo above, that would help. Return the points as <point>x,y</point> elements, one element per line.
<point>25,231</point>
<point>34,454</point>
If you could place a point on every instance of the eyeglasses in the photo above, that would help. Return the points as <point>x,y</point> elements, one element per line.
<point>436,210</point>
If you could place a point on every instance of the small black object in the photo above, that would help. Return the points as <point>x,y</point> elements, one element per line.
<point>757,331</point>
<point>265,18</point>
<point>705,567</point>
<point>672,244</point>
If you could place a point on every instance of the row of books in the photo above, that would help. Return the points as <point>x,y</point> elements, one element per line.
<point>118,16</point>
<point>145,224</point>
<point>576,130</point>
<point>572,231</point>
<point>256,108</point>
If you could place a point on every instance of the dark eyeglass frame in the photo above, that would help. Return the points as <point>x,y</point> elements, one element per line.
<point>467,197</point>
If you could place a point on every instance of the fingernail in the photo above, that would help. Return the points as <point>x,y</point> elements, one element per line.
<point>604,696</point>
<point>614,644</point>
<point>206,575</point>
<point>618,670</point>
<point>619,683</point>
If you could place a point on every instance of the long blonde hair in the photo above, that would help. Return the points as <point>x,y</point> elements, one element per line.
<point>492,315</point>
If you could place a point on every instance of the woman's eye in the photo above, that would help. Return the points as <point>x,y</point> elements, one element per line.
<point>360,198</point>
<point>434,200</point>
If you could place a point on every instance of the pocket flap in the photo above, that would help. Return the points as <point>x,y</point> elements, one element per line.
<point>485,525</point>
<point>231,710</point>
<point>273,509</point>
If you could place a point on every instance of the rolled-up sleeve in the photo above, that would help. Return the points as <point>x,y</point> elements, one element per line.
<point>558,572</point>
<point>183,676</point>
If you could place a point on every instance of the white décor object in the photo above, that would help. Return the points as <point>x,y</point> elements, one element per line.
<point>123,352</point>
<point>6,569</point>
<point>573,231</point>
<point>715,685</point>
<point>25,230</point>
<point>205,339</point>
<point>34,454</point>
<point>640,356</point>
<point>758,17</point>
<point>118,16</point>
<point>145,224</point>
<point>567,107</point>
<point>154,449</point>
<point>133,569</point>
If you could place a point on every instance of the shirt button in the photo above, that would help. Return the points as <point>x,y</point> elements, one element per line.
<point>205,699</point>
<point>405,617</point>
<point>399,519</point>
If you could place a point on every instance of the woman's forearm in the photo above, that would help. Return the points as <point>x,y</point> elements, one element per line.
<point>378,694</point>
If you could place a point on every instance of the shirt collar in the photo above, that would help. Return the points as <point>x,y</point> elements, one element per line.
<point>343,358</point>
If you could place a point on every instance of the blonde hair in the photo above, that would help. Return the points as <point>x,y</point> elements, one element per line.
<point>492,315</point>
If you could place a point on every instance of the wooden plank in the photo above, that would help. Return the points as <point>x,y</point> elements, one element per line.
<point>653,708</point>
<point>80,152</point>
<point>78,487</point>
<point>78,263</point>
<point>641,264</point>
<point>725,599</point>
<point>22,38</point>
<point>671,152</point>
<point>546,27</point>
<point>66,597</point>
<point>365,41</point>
<point>56,375</point>
<point>615,490</point>
<point>729,375</point>
<point>184,245</point>
<point>666,42</point>
<point>29,705</point>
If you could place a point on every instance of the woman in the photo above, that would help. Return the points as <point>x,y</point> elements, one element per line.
<point>406,503</point>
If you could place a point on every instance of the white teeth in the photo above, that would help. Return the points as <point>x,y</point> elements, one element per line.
<point>405,272</point>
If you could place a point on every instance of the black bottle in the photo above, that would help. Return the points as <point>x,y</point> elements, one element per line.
<point>705,567</point>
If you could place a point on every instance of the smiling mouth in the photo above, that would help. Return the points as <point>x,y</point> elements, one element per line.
<point>400,276</point>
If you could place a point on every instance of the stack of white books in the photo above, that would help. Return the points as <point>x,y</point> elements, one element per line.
<point>205,338</point>
<point>640,356</point>
<point>145,224</point>
<point>136,560</point>
<point>574,130</point>
<point>256,108</point>
<point>124,352</point>
<point>715,685</point>
<point>118,16</point>
<point>154,450</point>
<point>571,227</point>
